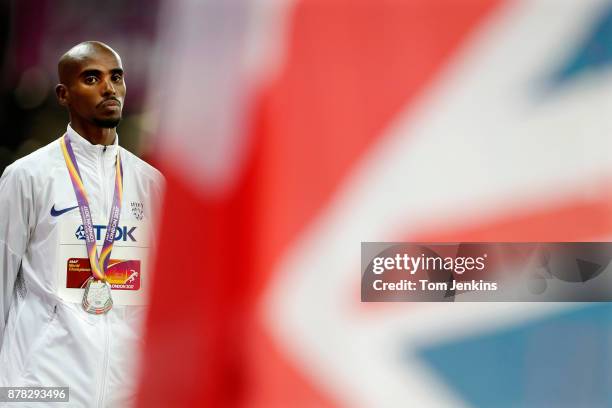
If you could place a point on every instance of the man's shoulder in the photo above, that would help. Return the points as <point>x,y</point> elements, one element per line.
<point>37,161</point>
<point>142,167</point>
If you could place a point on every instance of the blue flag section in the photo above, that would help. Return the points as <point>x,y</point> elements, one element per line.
<point>564,360</point>
<point>591,54</point>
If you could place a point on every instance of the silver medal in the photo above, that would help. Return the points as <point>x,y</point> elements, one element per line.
<point>97,298</point>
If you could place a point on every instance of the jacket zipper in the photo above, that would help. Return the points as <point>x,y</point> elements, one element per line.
<point>104,192</point>
<point>104,361</point>
<point>106,353</point>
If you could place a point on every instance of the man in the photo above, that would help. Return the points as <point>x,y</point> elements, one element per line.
<point>74,241</point>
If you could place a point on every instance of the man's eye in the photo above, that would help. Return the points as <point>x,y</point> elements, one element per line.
<point>90,80</point>
<point>117,78</point>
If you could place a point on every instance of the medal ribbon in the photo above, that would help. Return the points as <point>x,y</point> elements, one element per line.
<point>98,264</point>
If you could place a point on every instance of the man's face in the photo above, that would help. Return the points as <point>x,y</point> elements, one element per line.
<point>96,90</point>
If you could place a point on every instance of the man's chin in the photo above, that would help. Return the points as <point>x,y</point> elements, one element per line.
<point>108,123</point>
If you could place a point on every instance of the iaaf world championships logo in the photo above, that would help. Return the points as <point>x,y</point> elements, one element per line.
<point>121,234</point>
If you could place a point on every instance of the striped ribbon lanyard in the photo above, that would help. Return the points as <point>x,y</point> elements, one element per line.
<point>98,264</point>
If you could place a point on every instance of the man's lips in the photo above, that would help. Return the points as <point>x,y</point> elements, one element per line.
<point>109,102</point>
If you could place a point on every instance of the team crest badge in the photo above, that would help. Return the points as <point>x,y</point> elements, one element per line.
<point>137,210</point>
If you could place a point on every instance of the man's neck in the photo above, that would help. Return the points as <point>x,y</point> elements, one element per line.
<point>94,134</point>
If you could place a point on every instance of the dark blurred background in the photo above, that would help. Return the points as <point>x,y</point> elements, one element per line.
<point>35,33</point>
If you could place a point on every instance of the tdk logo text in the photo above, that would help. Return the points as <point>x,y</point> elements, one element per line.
<point>121,234</point>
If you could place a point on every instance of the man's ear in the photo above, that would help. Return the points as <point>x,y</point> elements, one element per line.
<point>62,94</point>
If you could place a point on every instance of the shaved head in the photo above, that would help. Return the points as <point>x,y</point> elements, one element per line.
<point>70,63</point>
<point>92,88</point>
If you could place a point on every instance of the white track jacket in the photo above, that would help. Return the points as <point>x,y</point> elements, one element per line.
<point>46,337</point>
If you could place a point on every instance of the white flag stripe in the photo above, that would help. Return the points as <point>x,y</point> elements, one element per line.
<point>212,58</point>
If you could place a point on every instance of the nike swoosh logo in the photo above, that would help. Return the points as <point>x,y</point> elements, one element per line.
<point>57,213</point>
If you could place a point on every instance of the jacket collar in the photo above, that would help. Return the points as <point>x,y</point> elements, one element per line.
<point>83,148</point>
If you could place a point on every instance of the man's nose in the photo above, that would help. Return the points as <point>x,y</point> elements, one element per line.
<point>108,88</point>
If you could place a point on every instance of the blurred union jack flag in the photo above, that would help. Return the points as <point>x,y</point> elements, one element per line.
<point>290,131</point>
